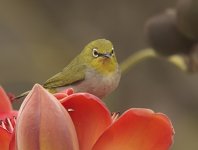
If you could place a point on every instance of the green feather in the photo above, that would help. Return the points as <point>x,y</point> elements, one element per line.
<point>73,73</point>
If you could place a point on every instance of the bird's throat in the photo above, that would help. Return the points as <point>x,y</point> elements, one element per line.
<point>106,66</point>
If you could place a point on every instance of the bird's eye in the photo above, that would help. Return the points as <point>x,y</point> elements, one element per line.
<point>95,53</point>
<point>112,52</point>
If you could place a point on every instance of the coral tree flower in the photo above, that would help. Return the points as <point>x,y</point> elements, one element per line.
<point>83,122</point>
<point>44,124</point>
<point>7,120</point>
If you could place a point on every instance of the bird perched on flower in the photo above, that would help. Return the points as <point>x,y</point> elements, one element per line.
<point>95,70</point>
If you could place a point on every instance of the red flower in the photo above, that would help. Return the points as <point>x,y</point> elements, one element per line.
<point>7,120</point>
<point>43,123</point>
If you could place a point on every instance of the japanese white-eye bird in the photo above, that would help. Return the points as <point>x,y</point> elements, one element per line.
<point>95,70</point>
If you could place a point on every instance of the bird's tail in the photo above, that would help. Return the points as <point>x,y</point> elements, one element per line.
<point>22,95</point>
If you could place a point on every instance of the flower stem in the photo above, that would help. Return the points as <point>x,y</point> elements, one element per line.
<point>136,58</point>
<point>179,61</point>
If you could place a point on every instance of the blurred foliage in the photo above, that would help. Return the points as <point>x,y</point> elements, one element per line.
<point>174,33</point>
<point>39,38</point>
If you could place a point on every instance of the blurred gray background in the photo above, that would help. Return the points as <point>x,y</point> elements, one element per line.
<point>39,38</point>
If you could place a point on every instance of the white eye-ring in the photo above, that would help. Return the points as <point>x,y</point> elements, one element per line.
<point>112,52</point>
<point>95,52</point>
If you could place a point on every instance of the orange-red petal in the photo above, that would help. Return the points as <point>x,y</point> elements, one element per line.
<point>137,129</point>
<point>60,96</point>
<point>63,94</point>
<point>12,145</point>
<point>5,138</point>
<point>5,104</point>
<point>43,123</point>
<point>89,115</point>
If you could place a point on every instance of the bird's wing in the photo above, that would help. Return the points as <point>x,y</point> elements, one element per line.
<point>69,75</point>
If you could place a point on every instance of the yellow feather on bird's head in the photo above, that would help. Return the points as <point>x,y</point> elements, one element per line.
<point>101,56</point>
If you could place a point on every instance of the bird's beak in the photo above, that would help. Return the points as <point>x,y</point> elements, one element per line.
<point>107,55</point>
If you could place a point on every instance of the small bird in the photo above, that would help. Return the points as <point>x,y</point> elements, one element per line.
<point>95,70</point>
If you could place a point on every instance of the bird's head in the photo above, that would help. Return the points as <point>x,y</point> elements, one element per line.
<point>100,55</point>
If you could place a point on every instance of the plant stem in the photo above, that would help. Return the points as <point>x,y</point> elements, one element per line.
<point>179,61</point>
<point>136,58</point>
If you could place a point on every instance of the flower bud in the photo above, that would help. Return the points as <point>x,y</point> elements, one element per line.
<point>187,20</point>
<point>44,124</point>
<point>164,36</point>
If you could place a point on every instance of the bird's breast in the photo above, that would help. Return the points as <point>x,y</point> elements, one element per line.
<point>98,84</point>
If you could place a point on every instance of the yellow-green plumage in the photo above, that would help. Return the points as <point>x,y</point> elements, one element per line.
<point>95,70</point>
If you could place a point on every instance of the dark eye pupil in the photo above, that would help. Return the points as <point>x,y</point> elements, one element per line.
<point>112,52</point>
<point>95,53</point>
